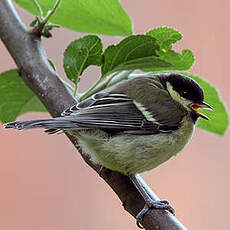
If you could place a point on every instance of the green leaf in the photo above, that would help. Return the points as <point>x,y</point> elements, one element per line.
<point>183,61</point>
<point>80,54</point>
<point>219,118</point>
<point>165,36</point>
<point>133,52</point>
<point>15,97</point>
<point>89,16</point>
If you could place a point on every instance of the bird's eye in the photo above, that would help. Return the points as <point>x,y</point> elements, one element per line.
<point>184,93</point>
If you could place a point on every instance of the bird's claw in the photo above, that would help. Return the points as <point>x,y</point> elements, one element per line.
<point>140,215</point>
<point>161,204</point>
<point>163,201</point>
<point>150,204</point>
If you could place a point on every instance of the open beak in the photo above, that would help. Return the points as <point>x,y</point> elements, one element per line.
<point>194,107</point>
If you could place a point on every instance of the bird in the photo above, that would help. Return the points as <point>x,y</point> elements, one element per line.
<point>134,126</point>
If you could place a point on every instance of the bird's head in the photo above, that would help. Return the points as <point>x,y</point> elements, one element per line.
<point>187,92</point>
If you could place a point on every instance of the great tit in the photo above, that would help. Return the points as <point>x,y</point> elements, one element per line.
<point>133,127</point>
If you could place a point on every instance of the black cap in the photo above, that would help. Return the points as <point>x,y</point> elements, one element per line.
<point>185,86</point>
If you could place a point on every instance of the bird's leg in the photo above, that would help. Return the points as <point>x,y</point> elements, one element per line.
<point>149,202</point>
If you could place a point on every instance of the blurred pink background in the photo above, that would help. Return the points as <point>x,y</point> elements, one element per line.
<point>45,185</point>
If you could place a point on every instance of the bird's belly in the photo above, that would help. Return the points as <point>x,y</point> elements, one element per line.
<point>138,154</point>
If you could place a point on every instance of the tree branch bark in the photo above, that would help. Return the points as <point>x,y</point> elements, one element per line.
<point>30,58</point>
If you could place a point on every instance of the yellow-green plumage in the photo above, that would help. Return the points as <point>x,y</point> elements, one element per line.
<point>133,127</point>
<point>139,153</point>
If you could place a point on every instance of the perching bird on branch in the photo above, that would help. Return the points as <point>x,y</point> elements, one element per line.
<point>133,127</point>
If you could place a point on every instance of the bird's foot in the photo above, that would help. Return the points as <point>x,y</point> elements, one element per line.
<point>151,204</point>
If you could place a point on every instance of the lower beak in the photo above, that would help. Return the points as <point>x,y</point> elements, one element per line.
<point>194,107</point>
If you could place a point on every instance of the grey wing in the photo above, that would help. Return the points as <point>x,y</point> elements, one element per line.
<point>113,113</point>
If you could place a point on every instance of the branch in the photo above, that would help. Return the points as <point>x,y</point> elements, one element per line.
<point>29,56</point>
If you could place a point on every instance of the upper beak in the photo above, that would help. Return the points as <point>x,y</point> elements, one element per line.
<point>194,107</point>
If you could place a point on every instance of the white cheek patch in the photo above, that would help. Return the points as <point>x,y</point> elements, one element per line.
<point>176,96</point>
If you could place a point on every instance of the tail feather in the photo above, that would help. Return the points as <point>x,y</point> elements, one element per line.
<point>52,124</point>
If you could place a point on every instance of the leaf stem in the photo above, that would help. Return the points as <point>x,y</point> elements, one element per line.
<point>51,12</point>
<point>38,7</point>
<point>76,86</point>
<point>119,77</point>
<point>90,91</point>
<point>101,85</point>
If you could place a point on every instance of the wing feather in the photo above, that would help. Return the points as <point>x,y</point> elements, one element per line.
<point>129,108</point>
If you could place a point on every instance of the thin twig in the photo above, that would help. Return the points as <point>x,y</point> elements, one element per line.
<point>51,12</point>
<point>109,81</point>
<point>39,8</point>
